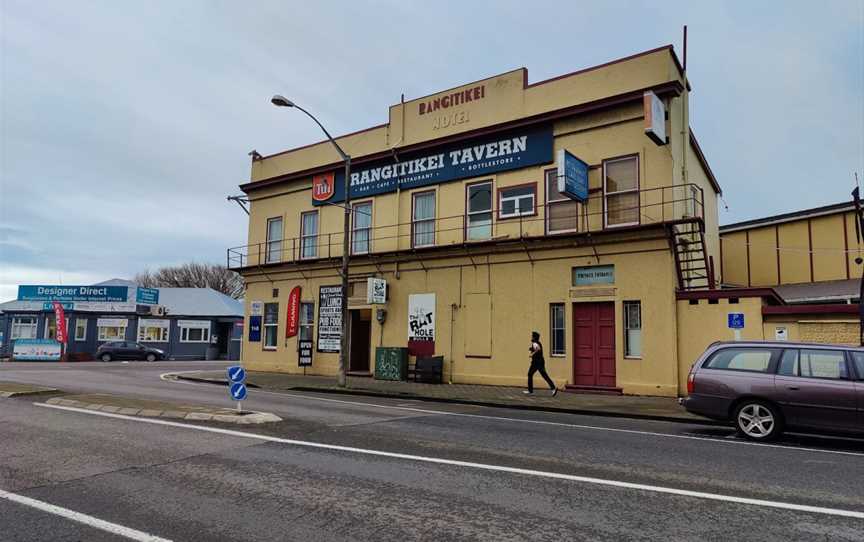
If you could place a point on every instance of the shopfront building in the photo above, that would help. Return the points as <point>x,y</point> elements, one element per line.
<point>579,207</point>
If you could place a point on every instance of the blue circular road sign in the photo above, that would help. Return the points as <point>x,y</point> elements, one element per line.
<point>236,373</point>
<point>238,391</point>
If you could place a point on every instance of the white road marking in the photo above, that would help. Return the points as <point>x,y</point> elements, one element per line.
<point>84,519</point>
<point>484,466</point>
<point>732,440</point>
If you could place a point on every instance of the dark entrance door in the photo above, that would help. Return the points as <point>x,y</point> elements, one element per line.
<point>361,329</point>
<point>223,338</point>
<point>594,344</point>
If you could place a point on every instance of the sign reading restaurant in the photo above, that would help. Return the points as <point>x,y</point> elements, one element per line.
<point>462,160</point>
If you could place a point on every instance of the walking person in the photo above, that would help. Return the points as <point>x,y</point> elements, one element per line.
<point>538,364</point>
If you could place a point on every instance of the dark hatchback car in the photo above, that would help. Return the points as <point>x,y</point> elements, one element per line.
<point>128,350</point>
<point>766,387</point>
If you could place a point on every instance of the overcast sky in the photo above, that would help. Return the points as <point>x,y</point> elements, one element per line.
<point>126,124</point>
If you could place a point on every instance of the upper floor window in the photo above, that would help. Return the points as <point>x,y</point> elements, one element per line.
<point>362,228</point>
<point>561,216</point>
<point>309,235</point>
<point>515,201</point>
<point>621,187</point>
<point>274,240</point>
<point>479,207</point>
<point>423,219</point>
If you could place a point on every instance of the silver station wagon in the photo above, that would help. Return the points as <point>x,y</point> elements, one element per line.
<point>766,387</point>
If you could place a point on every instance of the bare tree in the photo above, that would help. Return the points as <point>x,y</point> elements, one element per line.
<point>194,275</point>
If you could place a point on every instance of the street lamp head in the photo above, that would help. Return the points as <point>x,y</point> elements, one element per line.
<point>281,101</point>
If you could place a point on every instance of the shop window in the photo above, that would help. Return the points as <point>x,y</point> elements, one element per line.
<point>561,211</point>
<point>153,331</point>
<point>621,186</point>
<point>479,206</point>
<point>194,331</point>
<point>80,329</point>
<point>517,201</point>
<point>50,331</point>
<point>423,219</point>
<point>274,240</point>
<point>271,325</point>
<point>361,228</point>
<point>309,235</point>
<point>112,333</point>
<point>307,321</point>
<point>632,329</point>
<point>23,327</point>
<point>556,329</point>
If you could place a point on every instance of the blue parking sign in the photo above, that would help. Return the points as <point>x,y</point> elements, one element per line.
<point>236,373</point>
<point>736,320</point>
<point>238,391</point>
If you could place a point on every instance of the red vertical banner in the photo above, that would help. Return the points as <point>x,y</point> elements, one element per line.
<point>293,320</point>
<point>60,322</point>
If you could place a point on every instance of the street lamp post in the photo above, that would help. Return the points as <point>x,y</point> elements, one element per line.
<point>281,101</point>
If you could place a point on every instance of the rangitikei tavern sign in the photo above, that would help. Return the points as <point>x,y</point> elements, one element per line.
<point>452,162</point>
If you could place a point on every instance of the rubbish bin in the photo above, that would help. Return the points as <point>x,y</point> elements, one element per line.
<point>391,363</point>
<point>211,353</point>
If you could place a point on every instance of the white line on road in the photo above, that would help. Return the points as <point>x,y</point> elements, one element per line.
<point>560,424</point>
<point>78,517</point>
<point>485,466</point>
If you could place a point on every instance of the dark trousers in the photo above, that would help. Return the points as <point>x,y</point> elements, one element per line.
<point>539,367</point>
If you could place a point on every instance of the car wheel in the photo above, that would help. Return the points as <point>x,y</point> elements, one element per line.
<point>151,357</point>
<point>105,357</point>
<point>758,420</point>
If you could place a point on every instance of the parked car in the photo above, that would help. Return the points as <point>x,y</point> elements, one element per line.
<point>766,387</point>
<point>128,350</point>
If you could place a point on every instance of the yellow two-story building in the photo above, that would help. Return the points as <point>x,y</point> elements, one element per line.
<point>580,207</point>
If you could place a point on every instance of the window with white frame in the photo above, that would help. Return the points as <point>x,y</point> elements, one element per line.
<point>274,240</point>
<point>80,329</point>
<point>361,227</point>
<point>516,201</point>
<point>556,329</point>
<point>479,210</point>
<point>111,329</point>
<point>50,331</point>
<point>23,327</point>
<point>621,188</point>
<point>153,331</point>
<point>307,321</point>
<point>423,219</point>
<point>271,325</point>
<point>561,211</point>
<point>309,235</point>
<point>633,329</point>
<point>194,331</point>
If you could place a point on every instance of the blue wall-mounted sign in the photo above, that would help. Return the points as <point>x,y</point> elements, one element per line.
<point>735,320</point>
<point>236,373</point>
<point>254,329</point>
<point>112,294</point>
<point>238,391</point>
<point>49,306</point>
<point>593,274</point>
<point>572,176</point>
<point>147,296</point>
<point>451,162</point>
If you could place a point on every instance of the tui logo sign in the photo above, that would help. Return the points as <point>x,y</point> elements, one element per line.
<point>323,186</point>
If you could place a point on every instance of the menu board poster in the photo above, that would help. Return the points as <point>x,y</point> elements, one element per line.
<point>329,318</point>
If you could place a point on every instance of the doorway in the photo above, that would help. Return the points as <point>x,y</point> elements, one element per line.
<point>594,344</point>
<point>361,331</point>
<point>223,338</point>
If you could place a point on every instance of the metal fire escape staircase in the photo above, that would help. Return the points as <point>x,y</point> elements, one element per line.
<point>687,240</point>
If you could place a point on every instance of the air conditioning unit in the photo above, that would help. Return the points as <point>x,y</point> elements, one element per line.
<point>157,310</point>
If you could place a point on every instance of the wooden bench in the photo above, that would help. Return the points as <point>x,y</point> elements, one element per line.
<point>429,370</point>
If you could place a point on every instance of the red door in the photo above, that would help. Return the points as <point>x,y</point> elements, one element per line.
<point>594,344</point>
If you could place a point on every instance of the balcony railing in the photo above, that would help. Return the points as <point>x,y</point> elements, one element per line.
<point>599,213</point>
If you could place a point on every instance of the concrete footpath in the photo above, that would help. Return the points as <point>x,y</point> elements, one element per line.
<point>14,389</point>
<point>625,406</point>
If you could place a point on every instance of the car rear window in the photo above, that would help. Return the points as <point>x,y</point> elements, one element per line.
<point>814,364</point>
<point>754,360</point>
<point>858,360</point>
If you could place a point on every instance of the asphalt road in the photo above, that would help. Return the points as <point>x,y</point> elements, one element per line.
<point>442,472</point>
